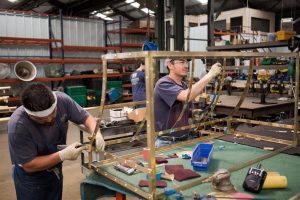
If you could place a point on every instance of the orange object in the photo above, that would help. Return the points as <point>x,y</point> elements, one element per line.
<point>146,153</point>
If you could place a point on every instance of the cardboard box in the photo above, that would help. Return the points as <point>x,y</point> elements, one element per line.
<point>137,115</point>
<point>142,24</point>
<point>117,114</point>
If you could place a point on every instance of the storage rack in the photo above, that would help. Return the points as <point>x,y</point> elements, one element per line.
<point>62,48</point>
<point>122,45</point>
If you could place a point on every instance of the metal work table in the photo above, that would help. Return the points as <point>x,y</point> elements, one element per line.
<point>248,156</point>
<point>252,110</point>
<point>222,159</point>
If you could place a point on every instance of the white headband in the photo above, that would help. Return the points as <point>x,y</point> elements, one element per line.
<point>43,113</point>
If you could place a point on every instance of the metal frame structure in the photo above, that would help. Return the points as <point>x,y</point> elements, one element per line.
<point>150,61</point>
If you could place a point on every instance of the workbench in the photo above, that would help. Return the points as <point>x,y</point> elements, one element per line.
<point>252,110</point>
<point>230,155</point>
<point>267,131</point>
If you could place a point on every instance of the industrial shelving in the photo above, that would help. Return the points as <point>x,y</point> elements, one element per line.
<point>87,48</point>
<point>27,41</point>
<point>125,44</point>
<point>248,46</point>
<point>112,75</point>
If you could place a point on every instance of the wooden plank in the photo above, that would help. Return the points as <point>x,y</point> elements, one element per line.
<point>87,48</point>
<point>27,41</point>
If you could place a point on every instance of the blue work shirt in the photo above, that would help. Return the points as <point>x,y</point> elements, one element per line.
<point>28,140</point>
<point>24,137</point>
<point>167,108</point>
<point>138,85</point>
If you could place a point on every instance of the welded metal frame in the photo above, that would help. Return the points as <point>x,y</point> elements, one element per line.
<point>150,58</point>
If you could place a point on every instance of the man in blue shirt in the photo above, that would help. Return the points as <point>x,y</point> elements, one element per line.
<point>138,83</point>
<point>34,131</point>
<point>170,93</point>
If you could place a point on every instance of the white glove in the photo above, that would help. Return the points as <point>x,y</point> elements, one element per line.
<point>214,71</point>
<point>100,143</point>
<point>71,152</point>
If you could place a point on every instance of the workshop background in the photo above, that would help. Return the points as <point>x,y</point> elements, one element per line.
<point>60,43</point>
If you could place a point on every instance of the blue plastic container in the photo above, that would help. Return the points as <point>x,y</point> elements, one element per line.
<point>202,156</point>
<point>113,95</point>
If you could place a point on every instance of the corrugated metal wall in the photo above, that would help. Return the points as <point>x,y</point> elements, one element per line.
<point>80,32</point>
<point>77,32</point>
<point>29,26</point>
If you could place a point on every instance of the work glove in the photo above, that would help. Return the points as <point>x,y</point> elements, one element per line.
<point>214,71</point>
<point>100,143</point>
<point>71,152</point>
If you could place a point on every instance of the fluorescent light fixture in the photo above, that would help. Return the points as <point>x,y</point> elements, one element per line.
<point>203,1</point>
<point>108,19</point>
<point>94,12</point>
<point>146,10</point>
<point>135,4</point>
<point>100,15</point>
<point>13,1</point>
<point>103,17</point>
<point>108,12</point>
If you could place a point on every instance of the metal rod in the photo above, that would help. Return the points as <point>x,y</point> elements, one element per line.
<point>62,39</point>
<point>149,79</point>
<point>249,121</point>
<point>50,37</point>
<point>260,137</point>
<point>195,54</point>
<point>245,92</point>
<point>296,100</point>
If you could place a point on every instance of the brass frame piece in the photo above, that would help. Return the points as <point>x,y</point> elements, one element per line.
<point>150,61</point>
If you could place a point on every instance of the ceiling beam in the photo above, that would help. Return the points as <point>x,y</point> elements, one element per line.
<point>196,9</point>
<point>244,2</point>
<point>146,3</point>
<point>119,12</point>
<point>90,5</point>
<point>58,4</point>
<point>20,5</point>
<point>218,12</point>
<point>275,3</point>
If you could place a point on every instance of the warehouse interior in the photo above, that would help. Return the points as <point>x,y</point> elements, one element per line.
<point>231,131</point>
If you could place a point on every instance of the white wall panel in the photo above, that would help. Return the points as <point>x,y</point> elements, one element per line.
<point>28,26</point>
<point>80,32</point>
<point>199,32</point>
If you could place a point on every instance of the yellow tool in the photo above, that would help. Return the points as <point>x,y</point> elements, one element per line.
<point>275,181</point>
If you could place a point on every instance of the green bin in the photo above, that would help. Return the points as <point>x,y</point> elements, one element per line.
<point>76,90</point>
<point>80,99</point>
